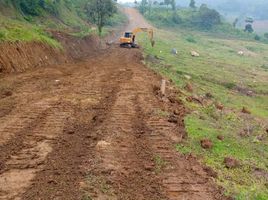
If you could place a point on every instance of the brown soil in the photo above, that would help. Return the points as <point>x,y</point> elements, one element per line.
<point>231,162</point>
<point>90,130</point>
<point>21,56</point>
<point>206,143</point>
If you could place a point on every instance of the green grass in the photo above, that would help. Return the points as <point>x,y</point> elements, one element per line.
<point>12,30</point>
<point>15,26</point>
<point>220,70</point>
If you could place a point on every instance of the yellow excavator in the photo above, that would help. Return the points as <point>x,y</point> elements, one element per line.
<point>129,37</point>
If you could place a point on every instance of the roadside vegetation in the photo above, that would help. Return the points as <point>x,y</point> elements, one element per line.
<point>224,86</point>
<point>28,20</point>
<point>201,18</point>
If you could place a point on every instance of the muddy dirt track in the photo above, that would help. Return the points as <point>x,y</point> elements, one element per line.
<point>96,129</point>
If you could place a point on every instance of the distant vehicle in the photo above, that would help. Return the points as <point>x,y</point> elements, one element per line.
<point>128,40</point>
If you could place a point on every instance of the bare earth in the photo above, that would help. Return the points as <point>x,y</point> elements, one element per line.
<point>96,129</point>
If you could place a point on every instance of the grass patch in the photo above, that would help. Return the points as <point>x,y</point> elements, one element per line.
<point>160,163</point>
<point>219,70</point>
<point>12,30</point>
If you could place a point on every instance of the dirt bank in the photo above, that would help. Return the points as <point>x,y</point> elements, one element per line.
<point>21,56</point>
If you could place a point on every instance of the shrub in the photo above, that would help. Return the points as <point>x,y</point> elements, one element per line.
<point>176,18</point>
<point>2,35</point>
<point>206,18</point>
<point>229,85</point>
<point>248,28</point>
<point>257,37</point>
<point>191,39</point>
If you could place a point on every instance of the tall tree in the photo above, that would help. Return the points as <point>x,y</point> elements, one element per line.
<point>99,11</point>
<point>192,4</point>
<point>235,22</point>
<point>143,6</point>
<point>173,4</point>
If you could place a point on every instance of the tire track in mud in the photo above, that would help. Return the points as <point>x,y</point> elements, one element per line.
<point>122,153</point>
<point>21,167</point>
<point>63,172</point>
<point>99,136</point>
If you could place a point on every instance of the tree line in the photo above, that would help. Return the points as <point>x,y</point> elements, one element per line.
<point>202,17</point>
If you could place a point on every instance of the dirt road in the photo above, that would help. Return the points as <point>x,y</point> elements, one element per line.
<point>96,129</point>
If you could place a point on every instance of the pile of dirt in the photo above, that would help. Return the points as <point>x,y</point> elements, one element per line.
<point>77,47</point>
<point>20,56</point>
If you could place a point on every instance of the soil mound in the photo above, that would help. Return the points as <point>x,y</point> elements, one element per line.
<point>20,56</point>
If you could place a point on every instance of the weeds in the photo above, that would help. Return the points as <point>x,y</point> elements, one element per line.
<point>160,163</point>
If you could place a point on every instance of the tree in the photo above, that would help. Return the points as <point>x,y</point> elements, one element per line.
<point>266,35</point>
<point>142,6</point>
<point>206,18</point>
<point>167,2</point>
<point>248,28</point>
<point>192,4</point>
<point>99,11</point>
<point>173,4</point>
<point>235,22</point>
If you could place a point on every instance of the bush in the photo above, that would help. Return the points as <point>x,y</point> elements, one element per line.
<point>229,85</point>
<point>248,28</point>
<point>257,37</point>
<point>2,35</point>
<point>266,35</point>
<point>176,18</point>
<point>191,39</point>
<point>206,18</point>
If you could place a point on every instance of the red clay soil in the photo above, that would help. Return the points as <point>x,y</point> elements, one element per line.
<point>94,129</point>
<point>21,56</point>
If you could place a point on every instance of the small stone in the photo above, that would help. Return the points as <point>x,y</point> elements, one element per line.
<point>187,77</point>
<point>245,110</point>
<point>70,132</point>
<point>189,87</point>
<point>174,51</point>
<point>8,93</point>
<point>209,95</point>
<point>231,163</point>
<point>220,137</point>
<point>206,143</point>
<point>149,167</point>
<point>219,106</point>
<point>173,119</point>
<point>51,181</point>
<point>195,54</point>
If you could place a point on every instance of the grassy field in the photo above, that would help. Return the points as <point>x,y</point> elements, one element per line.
<point>221,77</point>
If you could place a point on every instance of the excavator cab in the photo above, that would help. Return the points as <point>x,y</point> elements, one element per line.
<point>129,37</point>
<point>128,34</point>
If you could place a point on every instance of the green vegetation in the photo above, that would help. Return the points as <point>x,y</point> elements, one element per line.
<point>221,76</point>
<point>159,164</point>
<point>202,19</point>
<point>30,20</point>
<point>12,30</point>
<point>99,11</point>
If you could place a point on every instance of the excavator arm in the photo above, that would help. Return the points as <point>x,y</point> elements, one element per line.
<point>147,30</point>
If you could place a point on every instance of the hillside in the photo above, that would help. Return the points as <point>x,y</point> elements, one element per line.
<point>227,95</point>
<point>42,33</point>
<point>34,20</point>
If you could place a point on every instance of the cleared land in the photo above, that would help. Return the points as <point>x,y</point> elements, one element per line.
<point>96,129</point>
